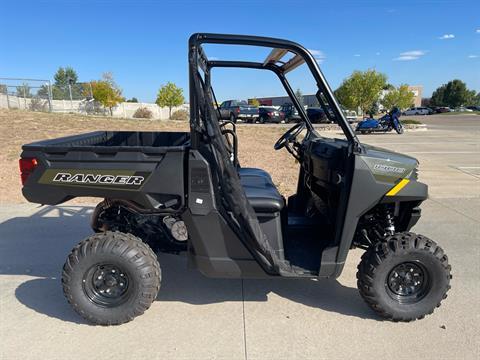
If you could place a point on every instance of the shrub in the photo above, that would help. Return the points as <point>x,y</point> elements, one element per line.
<point>143,113</point>
<point>180,115</point>
<point>37,104</point>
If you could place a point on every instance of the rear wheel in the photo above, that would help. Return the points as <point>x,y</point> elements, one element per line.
<point>110,278</point>
<point>404,278</point>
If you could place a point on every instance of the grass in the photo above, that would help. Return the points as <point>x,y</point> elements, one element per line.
<point>411,122</point>
<point>21,127</point>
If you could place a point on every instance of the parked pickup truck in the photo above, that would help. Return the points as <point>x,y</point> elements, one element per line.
<point>234,110</point>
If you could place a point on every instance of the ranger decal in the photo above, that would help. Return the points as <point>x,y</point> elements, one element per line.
<point>98,179</point>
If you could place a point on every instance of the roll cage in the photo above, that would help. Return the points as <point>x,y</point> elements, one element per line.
<point>273,62</point>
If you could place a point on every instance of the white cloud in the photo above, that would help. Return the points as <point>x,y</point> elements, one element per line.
<point>477,31</point>
<point>357,55</point>
<point>377,53</point>
<point>447,37</point>
<point>410,55</point>
<point>318,55</point>
<point>473,56</point>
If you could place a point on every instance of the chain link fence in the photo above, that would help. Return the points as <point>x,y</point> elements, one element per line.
<point>42,95</point>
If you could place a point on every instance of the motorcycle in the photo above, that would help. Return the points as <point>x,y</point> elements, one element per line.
<point>386,123</point>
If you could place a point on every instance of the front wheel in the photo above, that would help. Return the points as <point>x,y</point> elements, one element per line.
<point>111,277</point>
<point>404,278</point>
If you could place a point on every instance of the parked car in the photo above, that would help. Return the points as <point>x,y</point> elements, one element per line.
<point>350,115</point>
<point>290,113</point>
<point>463,109</point>
<point>442,109</point>
<point>474,108</point>
<point>421,110</point>
<point>317,115</point>
<point>234,110</point>
<point>267,114</point>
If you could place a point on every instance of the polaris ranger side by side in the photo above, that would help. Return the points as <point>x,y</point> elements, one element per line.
<point>186,192</point>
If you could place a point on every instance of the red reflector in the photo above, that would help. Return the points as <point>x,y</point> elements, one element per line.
<point>27,165</point>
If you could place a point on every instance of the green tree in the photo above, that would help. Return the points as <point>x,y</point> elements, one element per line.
<point>400,97</point>
<point>64,77</point>
<point>132,100</point>
<point>438,97</point>
<point>361,89</point>
<point>454,94</point>
<point>43,91</point>
<point>254,102</point>
<point>388,87</point>
<point>170,95</point>
<point>3,89</point>
<point>106,94</point>
<point>24,91</point>
<point>476,100</point>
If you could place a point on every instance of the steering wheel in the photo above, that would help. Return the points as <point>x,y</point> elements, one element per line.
<point>290,135</point>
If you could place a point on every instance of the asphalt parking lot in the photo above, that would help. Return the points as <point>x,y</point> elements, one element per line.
<point>199,318</point>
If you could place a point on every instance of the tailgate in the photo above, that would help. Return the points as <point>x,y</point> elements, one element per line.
<point>249,110</point>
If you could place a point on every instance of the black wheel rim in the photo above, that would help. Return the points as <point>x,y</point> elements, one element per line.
<point>408,282</point>
<point>107,285</point>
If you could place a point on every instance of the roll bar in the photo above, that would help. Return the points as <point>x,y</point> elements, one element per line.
<point>280,48</point>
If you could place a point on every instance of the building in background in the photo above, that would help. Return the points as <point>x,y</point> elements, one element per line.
<point>308,100</point>
<point>417,91</point>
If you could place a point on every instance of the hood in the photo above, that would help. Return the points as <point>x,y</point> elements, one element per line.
<point>387,165</point>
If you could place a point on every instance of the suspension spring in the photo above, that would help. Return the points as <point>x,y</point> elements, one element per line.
<point>389,225</point>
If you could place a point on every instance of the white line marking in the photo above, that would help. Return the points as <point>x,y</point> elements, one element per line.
<point>425,143</point>
<point>443,152</point>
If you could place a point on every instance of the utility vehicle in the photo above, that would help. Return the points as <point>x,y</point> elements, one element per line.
<point>187,192</point>
<point>291,113</point>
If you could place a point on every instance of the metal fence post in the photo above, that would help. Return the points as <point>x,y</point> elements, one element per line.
<point>8,99</point>
<point>24,97</point>
<point>50,96</point>
<point>70,92</point>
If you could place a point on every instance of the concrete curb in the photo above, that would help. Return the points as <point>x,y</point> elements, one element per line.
<point>336,128</point>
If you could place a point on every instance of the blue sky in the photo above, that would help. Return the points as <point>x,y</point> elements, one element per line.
<point>144,43</point>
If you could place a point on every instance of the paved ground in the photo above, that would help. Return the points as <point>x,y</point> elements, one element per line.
<point>200,318</point>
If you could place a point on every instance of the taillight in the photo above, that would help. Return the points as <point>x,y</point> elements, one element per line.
<point>238,110</point>
<point>27,166</point>
<point>270,114</point>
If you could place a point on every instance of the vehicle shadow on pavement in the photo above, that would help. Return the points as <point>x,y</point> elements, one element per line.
<point>187,285</point>
<point>38,245</point>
